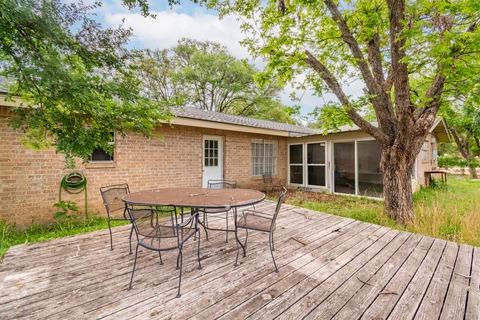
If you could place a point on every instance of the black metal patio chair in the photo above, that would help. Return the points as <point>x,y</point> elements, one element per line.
<point>112,200</point>
<point>160,235</point>
<point>258,221</point>
<point>269,183</point>
<point>221,212</point>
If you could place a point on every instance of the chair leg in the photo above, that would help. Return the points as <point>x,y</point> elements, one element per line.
<point>205,226</point>
<point>180,276</point>
<point>273,243</point>
<point>134,266</point>
<point>239,243</point>
<point>160,252</point>
<point>130,239</point>
<point>226,229</point>
<point>238,248</point>
<point>198,250</point>
<point>110,230</point>
<point>178,262</point>
<point>245,246</point>
<point>270,242</point>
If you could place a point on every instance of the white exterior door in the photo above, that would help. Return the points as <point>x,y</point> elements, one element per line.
<point>212,159</point>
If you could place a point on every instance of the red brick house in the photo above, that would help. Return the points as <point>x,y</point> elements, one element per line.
<point>198,145</point>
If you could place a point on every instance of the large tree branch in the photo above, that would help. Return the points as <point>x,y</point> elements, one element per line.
<point>333,84</point>
<point>374,82</point>
<point>385,111</point>
<point>461,143</point>
<point>427,115</point>
<point>477,144</point>
<point>399,70</point>
<point>375,59</point>
<point>352,43</point>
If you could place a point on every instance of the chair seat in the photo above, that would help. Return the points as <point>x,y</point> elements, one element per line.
<point>254,222</point>
<point>163,237</point>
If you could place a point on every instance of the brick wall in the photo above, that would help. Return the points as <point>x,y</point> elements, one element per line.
<point>29,179</point>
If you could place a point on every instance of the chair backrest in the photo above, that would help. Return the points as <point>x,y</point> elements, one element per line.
<point>267,178</point>
<point>159,234</point>
<point>112,197</point>
<point>142,219</point>
<point>280,201</point>
<point>222,184</point>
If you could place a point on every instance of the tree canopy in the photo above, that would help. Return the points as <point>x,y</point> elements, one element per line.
<point>406,54</point>
<point>462,114</point>
<point>75,78</point>
<point>205,75</point>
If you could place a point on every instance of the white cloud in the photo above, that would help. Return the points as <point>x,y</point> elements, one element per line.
<point>169,26</point>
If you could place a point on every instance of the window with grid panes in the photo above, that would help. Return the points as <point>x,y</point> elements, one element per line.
<point>211,153</point>
<point>264,157</point>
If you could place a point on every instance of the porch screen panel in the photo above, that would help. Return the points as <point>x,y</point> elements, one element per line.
<point>344,167</point>
<point>316,164</point>
<point>370,179</point>
<point>296,163</point>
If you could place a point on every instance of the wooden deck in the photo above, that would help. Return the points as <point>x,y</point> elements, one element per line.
<point>330,267</point>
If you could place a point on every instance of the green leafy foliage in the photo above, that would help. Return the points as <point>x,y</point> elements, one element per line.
<point>75,78</point>
<point>462,114</point>
<point>281,36</point>
<point>67,211</point>
<point>205,75</point>
<point>404,55</point>
<point>448,161</point>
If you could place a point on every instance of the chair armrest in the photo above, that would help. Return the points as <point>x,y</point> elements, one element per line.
<point>188,222</point>
<point>257,213</point>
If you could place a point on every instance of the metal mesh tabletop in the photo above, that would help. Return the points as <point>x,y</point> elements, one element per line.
<point>196,197</point>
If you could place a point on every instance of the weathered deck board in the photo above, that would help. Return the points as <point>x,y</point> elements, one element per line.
<point>388,297</point>
<point>432,301</point>
<point>457,297</point>
<point>473,305</point>
<point>334,302</point>
<point>330,267</point>
<point>408,303</point>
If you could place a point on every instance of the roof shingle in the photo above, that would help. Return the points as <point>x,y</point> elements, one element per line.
<point>200,114</point>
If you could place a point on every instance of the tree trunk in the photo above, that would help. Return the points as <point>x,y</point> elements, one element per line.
<point>397,184</point>
<point>464,148</point>
<point>473,172</point>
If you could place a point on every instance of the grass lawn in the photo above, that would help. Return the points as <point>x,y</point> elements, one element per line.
<point>449,212</point>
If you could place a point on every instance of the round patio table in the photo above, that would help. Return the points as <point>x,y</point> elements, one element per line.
<point>197,199</point>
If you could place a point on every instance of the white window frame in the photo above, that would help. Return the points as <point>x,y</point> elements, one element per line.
<point>296,164</point>
<point>275,157</point>
<point>306,164</point>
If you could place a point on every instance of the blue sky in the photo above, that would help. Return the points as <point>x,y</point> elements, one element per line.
<point>190,20</point>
